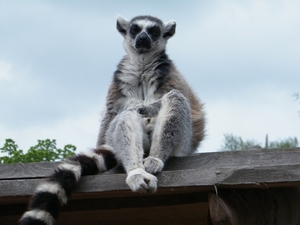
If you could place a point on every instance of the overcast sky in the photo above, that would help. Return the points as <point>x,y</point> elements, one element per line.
<point>57,58</point>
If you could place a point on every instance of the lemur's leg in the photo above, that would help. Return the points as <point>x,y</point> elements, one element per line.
<point>125,135</point>
<point>172,134</point>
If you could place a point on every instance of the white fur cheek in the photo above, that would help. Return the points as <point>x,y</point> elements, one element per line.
<point>129,47</point>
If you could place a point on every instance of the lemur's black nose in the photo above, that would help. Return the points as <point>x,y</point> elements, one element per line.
<point>143,36</point>
<point>143,42</point>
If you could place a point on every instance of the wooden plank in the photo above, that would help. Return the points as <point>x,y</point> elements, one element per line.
<point>26,170</point>
<point>279,206</point>
<point>269,157</point>
<point>105,202</point>
<point>190,214</point>
<point>235,177</point>
<point>158,209</point>
<point>201,161</point>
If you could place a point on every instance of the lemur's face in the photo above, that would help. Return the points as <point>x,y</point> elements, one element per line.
<point>145,34</point>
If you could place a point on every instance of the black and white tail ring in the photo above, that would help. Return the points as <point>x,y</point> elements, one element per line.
<point>51,194</point>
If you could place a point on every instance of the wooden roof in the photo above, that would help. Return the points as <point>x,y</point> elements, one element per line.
<point>184,188</point>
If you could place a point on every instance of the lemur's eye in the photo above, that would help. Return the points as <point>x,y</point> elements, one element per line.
<point>134,29</point>
<point>155,31</point>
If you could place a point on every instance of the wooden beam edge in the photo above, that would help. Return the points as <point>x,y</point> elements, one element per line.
<point>199,161</point>
<point>233,177</point>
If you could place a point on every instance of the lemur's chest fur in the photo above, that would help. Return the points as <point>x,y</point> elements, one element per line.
<point>139,83</point>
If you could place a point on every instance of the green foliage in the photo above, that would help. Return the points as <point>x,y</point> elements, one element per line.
<point>233,143</point>
<point>43,151</point>
<point>287,143</point>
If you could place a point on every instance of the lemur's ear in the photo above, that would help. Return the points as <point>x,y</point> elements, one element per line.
<point>122,25</point>
<point>169,29</point>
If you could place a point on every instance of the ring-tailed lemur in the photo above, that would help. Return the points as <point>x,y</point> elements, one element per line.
<point>151,114</point>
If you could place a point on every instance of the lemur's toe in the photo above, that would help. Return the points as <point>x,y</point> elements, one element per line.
<point>140,181</point>
<point>153,165</point>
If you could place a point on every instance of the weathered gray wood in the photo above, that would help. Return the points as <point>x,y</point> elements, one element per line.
<point>266,157</point>
<point>244,169</point>
<point>234,177</point>
<point>201,161</point>
<point>279,206</point>
<point>26,170</point>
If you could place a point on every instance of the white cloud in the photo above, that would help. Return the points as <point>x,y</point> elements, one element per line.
<point>17,80</point>
<point>236,30</point>
<point>5,70</point>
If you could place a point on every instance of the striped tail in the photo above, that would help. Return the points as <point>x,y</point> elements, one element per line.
<point>50,195</point>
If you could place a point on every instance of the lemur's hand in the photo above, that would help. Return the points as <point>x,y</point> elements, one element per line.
<point>143,110</point>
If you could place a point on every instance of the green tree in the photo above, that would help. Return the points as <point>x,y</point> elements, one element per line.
<point>285,143</point>
<point>43,151</point>
<point>233,143</point>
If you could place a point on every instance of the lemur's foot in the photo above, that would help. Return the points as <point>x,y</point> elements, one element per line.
<point>141,181</point>
<point>153,165</point>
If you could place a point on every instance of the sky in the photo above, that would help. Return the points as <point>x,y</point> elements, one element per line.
<point>57,58</point>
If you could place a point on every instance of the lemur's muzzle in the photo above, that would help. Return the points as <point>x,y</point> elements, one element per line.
<point>143,41</point>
